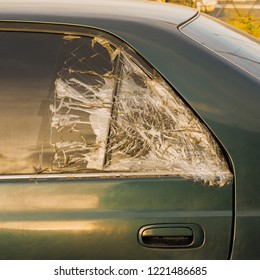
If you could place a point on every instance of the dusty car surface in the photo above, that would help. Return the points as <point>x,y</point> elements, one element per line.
<point>129,130</point>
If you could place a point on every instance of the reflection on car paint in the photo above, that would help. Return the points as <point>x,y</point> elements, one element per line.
<point>238,47</point>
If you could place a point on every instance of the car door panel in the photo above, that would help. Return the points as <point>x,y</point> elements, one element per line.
<point>89,167</point>
<point>101,218</point>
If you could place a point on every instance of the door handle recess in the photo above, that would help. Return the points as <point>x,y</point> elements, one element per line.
<point>171,236</point>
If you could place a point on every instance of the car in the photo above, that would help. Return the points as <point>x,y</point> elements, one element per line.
<point>129,130</point>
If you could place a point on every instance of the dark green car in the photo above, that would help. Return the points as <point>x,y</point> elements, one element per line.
<point>129,130</point>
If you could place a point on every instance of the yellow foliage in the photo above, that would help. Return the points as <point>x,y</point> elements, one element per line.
<point>247,24</point>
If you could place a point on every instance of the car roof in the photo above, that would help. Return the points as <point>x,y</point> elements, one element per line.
<point>82,10</point>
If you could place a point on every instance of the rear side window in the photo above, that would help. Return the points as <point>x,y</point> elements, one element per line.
<point>83,104</point>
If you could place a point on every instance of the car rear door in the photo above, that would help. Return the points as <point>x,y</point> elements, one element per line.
<point>101,157</point>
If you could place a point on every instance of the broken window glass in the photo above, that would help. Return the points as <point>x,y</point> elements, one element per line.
<point>81,106</point>
<point>154,130</point>
<point>147,127</point>
<point>107,110</point>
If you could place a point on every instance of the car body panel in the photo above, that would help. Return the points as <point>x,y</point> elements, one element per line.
<point>80,11</point>
<point>100,218</point>
<point>230,107</point>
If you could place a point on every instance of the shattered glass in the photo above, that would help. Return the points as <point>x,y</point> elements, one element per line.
<point>81,108</point>
<point>138,122</point>
<point>154,130</point>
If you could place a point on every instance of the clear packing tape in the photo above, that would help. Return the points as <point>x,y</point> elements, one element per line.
<point>129,121</point>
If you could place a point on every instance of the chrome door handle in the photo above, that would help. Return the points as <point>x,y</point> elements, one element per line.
<point>171,236</point>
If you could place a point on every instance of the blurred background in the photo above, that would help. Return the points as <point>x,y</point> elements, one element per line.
<point>243,14</point>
